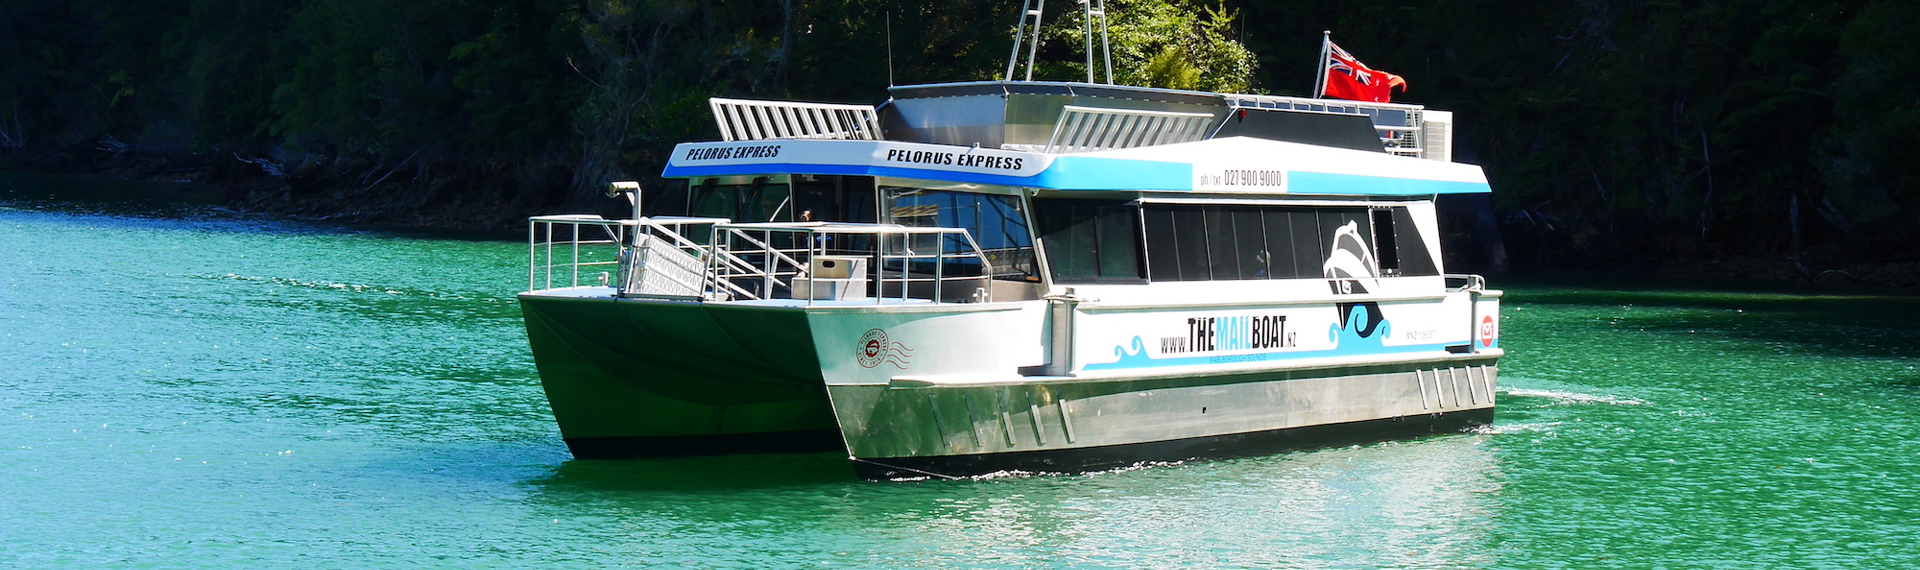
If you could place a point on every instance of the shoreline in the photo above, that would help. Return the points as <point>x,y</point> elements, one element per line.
<point>417,195</point>
<point>320,194</point>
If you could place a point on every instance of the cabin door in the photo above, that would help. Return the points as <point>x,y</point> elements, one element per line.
<point>833,199</point>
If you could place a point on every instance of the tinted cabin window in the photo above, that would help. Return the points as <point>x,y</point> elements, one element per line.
<point>1254,262</point>
<point>1089,240</point>
<point>1163,248</point>
<point>818,200</point>
<point>1192,255</point>
<point>862,198</point>
<point>759,201</point>
<point>1245,242</point>
<point>711,199</point>
<point>1387,254</point>
<point>996,223</point>
<point>1279,228</point>
<point>1223,252</point>
<point>1414,257</point>
<point>1307,250</point>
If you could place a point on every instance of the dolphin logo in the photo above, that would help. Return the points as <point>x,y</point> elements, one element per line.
<point>1350,267</point>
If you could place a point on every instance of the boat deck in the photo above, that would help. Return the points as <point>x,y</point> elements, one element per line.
<point>608,293</point>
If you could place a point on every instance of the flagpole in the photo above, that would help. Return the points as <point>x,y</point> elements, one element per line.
<point>1320,71</point>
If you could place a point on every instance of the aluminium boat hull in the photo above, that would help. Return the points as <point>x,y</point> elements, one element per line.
<point>630,377</point>
<point>918,430</point>
<point>1223,446</point>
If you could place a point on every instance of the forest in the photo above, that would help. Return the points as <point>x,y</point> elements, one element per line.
<point>1755,137</point>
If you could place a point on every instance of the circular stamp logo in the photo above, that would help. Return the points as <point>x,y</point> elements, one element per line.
<point>873,348</point>
<point>1486,331</point>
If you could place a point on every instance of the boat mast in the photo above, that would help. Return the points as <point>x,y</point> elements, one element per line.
<point>1090,9</point>
<point>1028,9</point>
<point>1033,10</point>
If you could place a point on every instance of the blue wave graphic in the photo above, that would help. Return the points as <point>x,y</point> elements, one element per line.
<point>1347,342</point>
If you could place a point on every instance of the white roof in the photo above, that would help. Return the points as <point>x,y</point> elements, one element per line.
<point>1226,165</point>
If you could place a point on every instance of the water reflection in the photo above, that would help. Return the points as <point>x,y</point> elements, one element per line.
<point>1420,503</point>
<point>97,195</point>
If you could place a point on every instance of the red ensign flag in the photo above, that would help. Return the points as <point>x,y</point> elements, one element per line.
<point>1349,79</point>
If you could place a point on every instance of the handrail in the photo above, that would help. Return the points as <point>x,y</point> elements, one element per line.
<point>1474,282</point>
<point>785,268</point>
<point>1408,137</point>
<point>616,235</point>
<point>655,258</point>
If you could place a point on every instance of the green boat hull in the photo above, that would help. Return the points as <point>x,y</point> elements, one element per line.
<point>631,377</point>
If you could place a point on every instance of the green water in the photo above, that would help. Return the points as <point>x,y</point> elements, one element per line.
<point>181,386</point>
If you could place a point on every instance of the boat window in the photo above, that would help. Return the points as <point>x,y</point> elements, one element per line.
<point>1278,251</point>
<point>1383,242</point>
<point>1183,229</point>
<point>832,199</point>
<point>1306,245</point>
<point>1223,253</point>
<point>996,223</point>
<point>1089,240</point>
<point>1241,242</point>
<point>712,199</point>
<point>1410,247</point>
<point>759,201</point>
<point>1253,254</point>
<point>1163,252</point>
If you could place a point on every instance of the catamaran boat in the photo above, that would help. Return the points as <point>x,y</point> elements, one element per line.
<point>1024,276</point>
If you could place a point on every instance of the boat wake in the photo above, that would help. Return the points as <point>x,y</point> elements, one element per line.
<point>1563,397</point>
<point>324,285</point>
<point>1021,474</point>
<point>1537,427</point>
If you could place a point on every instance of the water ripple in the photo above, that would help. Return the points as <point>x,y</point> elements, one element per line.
<point>231,392</point>
<point>1564,397</point>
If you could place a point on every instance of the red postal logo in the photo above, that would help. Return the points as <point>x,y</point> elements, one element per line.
<point>1486,331</point>
<point>875,348</point>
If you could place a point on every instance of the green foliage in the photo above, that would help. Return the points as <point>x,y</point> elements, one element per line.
<point>1614,130</point>
<point>234,62</point>
<point>1873,174</point>
<point>1609,128</point>
<point>1171,69</point>
<point>1178,44</point>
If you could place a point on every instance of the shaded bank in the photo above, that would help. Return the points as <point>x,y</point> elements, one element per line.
<point>1761,137</point>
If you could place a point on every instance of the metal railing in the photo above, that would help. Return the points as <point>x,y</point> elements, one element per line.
<point>750,120</point>
<point>632,256</point>
<point>1402,128</point>
<point>1087,129</point>
<point>890,262</point>
<point>1457,282</point>
<point>712,259</point>
<point>566,245</point>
